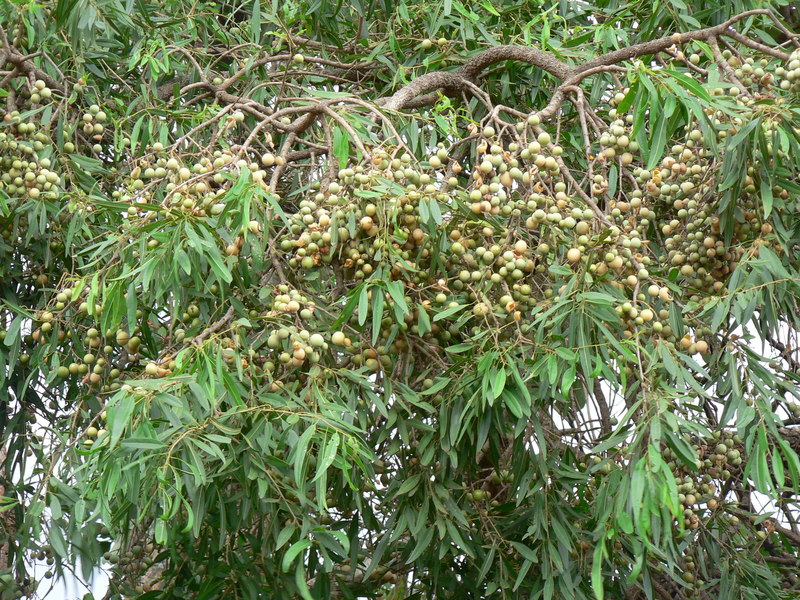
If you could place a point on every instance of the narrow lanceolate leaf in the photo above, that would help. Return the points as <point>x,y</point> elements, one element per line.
<point>363,305</point>
<point>120,415</point>
<point>499,382</point>
<point>292,553</point>
<point>327,455</point>
<point>300,452</point>
<point>598,556</point>
<point>377,314</point>
<point>341,146</point>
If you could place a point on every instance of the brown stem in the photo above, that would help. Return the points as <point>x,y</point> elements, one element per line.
<point>214,327</point>
<point>723,64</point>
<point>24,65</point>
<point>746,41</point>
<point>655,46</point>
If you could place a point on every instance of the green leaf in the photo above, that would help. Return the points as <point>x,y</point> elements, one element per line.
<point>300,580</point>
<point>767,198</point>
<point>689,84</point>
<point>523,572</point>
<point>423,321</point>
<point>624,522</point>
<point>327,456</point>
<point>499,383</point>
<point>55,507</point>
<point>377,314</point>
<point>682,449</point>
<point>363,305</point>
<point>409,485</point>
<point>421,544</point>
<point>140,443</point>
<point>459,348</point>
<point>658,139</point>
<point>597,569</point>
<point>448,312</point>
<point>119,415</point>
<point>341,146</point>
<point>435,211</point>
<point>285,535</point>
<point>489,7</point>
<point>439,384</point>
<point>219,268</point>
<point>525,552</point>
<point>513,404</point>
<point>293,552</point>
<point>12,334</point>
<point>300,454</point>
<point>395,289</point>
<point>57,541</point>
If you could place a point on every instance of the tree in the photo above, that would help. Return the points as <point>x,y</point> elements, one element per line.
<point>401,299</point>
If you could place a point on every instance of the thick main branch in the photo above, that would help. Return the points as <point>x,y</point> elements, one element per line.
<point>456,82</point>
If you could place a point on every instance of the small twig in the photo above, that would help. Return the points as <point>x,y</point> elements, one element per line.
<point>213,328</point>
<point>576,186</point>
<point>656,46</point>
<point>689,64</point>
<point>789,35</point>
<point>746,41</point>
<point>578,103</point>
<point>723,64</point>
<point>354,137</point>
<point>280,167</point>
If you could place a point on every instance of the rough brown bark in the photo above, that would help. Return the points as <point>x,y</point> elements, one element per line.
<point>6,524</point>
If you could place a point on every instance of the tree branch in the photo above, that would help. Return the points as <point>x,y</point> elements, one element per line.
<point>661,44</point>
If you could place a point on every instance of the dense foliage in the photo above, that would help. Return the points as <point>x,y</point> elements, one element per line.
<point>400,299</point>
